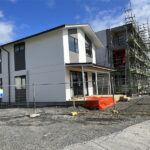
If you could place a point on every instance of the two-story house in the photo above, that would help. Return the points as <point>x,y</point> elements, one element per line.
<point>52,66</point>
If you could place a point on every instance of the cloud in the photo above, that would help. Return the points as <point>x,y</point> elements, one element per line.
<point>77,17</point>
<point>51,3</point>
<point>103,19</point>
<point>141,9</point>
<point>6,32</point>
<point>1,14</point>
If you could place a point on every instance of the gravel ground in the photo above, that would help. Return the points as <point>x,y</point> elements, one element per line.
<point>135,137</point>
<point>56,129</point>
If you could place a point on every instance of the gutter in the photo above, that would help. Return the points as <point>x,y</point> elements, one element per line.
<point>8,54</point>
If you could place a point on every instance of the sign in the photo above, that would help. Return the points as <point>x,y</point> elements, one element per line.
<point>1,93</point>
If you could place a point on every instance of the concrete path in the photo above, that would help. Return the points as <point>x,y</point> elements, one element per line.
<point>136,137</point>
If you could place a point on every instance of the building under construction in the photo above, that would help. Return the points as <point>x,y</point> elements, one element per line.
<point>126,49</point>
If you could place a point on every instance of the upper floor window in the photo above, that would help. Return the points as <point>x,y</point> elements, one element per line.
<point>73,40</point>
<point>88,46</point>
<point>121,39</point>
<point>19,54</point>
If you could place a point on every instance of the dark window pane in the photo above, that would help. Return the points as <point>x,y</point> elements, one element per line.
<point>22,47</point>
<point>17,48</point>
<point>88,47</point>
<point>76,45</point>
<point>73,40</point>
<point>19,56</point>
<point>121,39</point>
<point>71,44</point>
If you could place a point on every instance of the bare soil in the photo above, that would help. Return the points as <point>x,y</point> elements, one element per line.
<point>56,128</point>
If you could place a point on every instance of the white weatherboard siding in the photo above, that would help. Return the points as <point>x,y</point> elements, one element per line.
<point>81,45</point>
<point>44,64</point>
<point>4,75</point>
<point>66,46</point>
<point>68,90</point>
<point>93,54</point>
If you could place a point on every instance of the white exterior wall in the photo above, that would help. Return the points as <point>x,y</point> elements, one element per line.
<point>94,54</point>
<point>66,46</point>
<point>44,64</point>
<point>4,74</point>
<point>68,90</point>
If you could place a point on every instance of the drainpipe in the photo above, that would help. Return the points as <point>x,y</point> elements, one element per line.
<point>8,72</point>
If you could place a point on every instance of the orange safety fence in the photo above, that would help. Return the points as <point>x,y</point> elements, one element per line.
<point>100,103</point>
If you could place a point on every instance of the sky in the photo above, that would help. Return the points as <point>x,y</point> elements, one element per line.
<point>21,18</point>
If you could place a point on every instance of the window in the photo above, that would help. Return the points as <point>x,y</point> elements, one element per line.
<point>73,40</point>
<point>19,55</point>
<point>20,89</point>
<point>0,61</point>
<point>121,39</point>
<point>20,82</point>
<point>88,46</point>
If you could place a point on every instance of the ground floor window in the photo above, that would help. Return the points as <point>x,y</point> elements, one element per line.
<point>77,83</point>
<point>20,88</point>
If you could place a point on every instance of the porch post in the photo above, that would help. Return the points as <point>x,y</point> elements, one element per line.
<point>96,84</point>
<point>83,79</point>
<point>109,84</point>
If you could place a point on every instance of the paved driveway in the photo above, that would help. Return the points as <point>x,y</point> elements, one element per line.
<point>136,137</point>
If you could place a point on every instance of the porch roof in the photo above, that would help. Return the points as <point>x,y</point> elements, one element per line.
<point>90,66</point>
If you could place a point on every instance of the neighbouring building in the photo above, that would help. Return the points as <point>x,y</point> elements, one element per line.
<point>52,66</point>
<point>126,50</point>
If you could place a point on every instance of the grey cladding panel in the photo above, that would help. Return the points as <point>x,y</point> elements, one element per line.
<point>102,53</point>
<point>74,57</point>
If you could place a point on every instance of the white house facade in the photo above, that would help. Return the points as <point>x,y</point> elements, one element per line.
<point>53,66</point>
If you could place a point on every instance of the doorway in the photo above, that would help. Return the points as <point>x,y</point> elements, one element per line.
<point>77,84</point>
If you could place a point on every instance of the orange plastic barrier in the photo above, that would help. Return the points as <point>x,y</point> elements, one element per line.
<point>100,103</point>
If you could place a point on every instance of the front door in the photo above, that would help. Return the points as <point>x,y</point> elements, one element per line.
<point>77,84</point>
<point>20,89</point>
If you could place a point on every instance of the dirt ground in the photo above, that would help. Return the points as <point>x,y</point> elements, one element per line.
<point>56,128</point>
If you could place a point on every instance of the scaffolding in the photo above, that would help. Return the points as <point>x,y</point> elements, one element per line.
<point>132,59</point>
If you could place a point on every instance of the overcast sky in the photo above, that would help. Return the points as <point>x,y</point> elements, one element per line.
<point>20,18</point>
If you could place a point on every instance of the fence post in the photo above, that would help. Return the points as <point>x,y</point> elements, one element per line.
<point>113,92</point>
<point>34,100</point>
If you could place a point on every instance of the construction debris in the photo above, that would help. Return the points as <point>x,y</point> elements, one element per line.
<point>74,113</point>
<point>34,115</point>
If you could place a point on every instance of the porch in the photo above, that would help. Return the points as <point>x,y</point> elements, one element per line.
<point>86,79</point>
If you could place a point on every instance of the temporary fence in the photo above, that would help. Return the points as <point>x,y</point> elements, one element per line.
<point>46,94</point>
